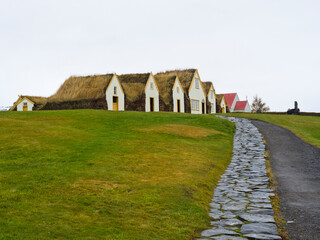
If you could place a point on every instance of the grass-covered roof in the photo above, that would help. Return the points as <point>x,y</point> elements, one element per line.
<point>165,84</point>
<point>185,76</point>
<point>207,86</point>
<point>82,87</point>
<point>219,98</point>
<point>35,99</point>
<point>133,85</point>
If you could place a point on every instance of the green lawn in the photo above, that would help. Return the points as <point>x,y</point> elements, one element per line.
<point>89,174</point>
<point>305,127</point>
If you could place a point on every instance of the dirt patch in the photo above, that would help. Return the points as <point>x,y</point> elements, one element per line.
<point>182,130</point>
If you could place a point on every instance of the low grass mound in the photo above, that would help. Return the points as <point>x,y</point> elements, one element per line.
<point>182,130</point>
<point>90,174</point>
<point>305,127</point>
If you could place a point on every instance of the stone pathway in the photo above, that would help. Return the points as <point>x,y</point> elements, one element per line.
<point>241,206</point>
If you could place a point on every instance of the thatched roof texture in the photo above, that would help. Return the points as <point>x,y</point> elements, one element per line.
<point>165,84</point>
<point>185,76</point>
<point>36,99</point>
<point>81,88</point>
<point>219,98</point>
<point>133,85</point>
<point>207,86</point>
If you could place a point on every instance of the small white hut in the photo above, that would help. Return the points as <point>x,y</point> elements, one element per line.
<point>115,95</point>
<point>28,103</point>
<point>152,95</point>
<point>211,97</point>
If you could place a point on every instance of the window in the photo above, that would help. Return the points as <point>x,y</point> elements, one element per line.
<point>197,83</point>
<point>151,85</point>
<point>211,94</point>
<point>115,90</point>
<point>177,89</point>
<point>24,104</point>
<point>195,105</point>
<point>211,107</point>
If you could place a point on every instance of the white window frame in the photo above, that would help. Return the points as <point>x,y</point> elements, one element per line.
<point>211,93</point>
<point>177,89</point>
<point>195,104</point>
<point>151,85</point>
<point>115,90</point>
<point>197,82</point>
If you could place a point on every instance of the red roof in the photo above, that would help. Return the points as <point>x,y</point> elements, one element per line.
<point>240,105</point>
<point>230,98</point>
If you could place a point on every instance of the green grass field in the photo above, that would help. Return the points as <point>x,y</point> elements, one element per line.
<point>89,174</point>
<point>305,127</point>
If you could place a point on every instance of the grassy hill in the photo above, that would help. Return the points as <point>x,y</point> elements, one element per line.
<point>305,127</point>
<point>86,174</point>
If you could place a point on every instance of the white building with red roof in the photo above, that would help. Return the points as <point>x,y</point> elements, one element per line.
<point>231,100</point>
<point>242,106</point>
<point>234,104</point>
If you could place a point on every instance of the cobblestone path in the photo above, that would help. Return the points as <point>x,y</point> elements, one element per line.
<point>241,206</point>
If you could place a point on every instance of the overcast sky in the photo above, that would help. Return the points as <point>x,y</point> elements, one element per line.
<point>265,47</point>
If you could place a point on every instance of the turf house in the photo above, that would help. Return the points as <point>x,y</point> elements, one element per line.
<point>178,96</point>
<point>83,92</point>
<point>210,97</point>
<point>221,105</point>
<point>195,97</point>
<point>28,103</point>
<point>141,92</point>
<point>171,93</point>
<point>152,95</point>
<point>115,95</point>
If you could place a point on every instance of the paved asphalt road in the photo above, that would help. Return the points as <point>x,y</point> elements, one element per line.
<point>296,166</point>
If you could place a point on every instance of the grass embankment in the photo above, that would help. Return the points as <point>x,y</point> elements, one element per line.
<point>305,127</point>
<point>87,174</point>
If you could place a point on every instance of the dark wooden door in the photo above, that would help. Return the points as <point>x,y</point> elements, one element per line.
<point>151,104</point>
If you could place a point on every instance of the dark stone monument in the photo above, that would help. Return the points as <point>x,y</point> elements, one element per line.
<point>295,110</point>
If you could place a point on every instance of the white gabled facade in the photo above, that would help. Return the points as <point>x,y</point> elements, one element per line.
<point>178,96</point>
<point>223,105</point>
<point>243,106</point>
<point>247,108</point>
<point>197,96</point>
<point>25,105</point>
<point>152,95</point>
<point>115,95</point>
<point>212,99</point>
<point>236,99</point>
